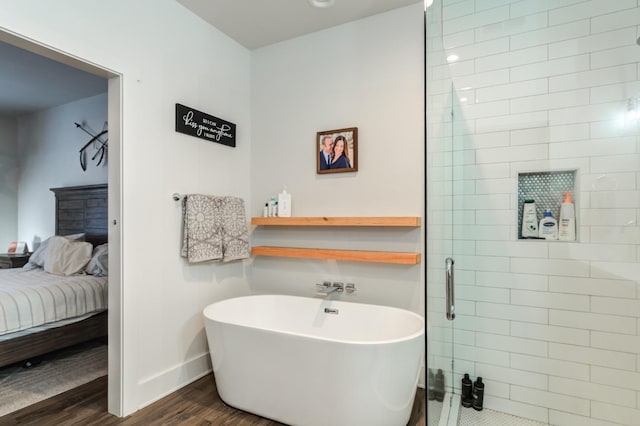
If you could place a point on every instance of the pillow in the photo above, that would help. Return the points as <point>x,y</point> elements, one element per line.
<point>38,256</point>
<point>65,257</point>
<point>99,263</point>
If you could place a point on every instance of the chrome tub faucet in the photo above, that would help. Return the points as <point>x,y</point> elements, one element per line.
<point>326,288</point>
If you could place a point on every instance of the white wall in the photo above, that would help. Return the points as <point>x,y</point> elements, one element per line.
<point>8,181</point>
<point>48,146</point>
<point>165,55</point>
<point>366,74</point>
<point>552,327</point>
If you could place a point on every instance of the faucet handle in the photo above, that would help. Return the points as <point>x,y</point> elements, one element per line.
<point>350,287</point>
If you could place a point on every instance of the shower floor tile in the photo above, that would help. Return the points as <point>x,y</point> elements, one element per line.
<point>471,417</point>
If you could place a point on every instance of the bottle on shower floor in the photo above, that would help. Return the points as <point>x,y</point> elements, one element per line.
<point>440,385</point>
<point>432,386</point>
<point>466,398</point>
<point>478,394</point>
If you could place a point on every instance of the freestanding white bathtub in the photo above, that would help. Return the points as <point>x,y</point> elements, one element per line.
<point>306,361</point>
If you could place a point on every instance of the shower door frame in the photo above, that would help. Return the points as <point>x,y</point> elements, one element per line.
<point>439,213</point>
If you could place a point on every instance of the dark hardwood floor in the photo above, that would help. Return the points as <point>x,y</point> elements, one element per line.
<point>195,404</point>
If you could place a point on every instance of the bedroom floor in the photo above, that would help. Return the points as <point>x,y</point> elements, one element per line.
<point>51,375</point>
<point>195,404</point>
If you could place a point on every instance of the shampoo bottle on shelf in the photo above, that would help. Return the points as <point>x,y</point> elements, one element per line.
<point>272,207</point>
<point>284,203</point>
<point>548,227</point>
<point>529,219</point>
<point>567,225</point>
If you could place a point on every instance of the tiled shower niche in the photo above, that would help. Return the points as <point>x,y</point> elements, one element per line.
<point>547,189</point>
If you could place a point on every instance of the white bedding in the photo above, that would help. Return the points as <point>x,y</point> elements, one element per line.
<point>30,298</point>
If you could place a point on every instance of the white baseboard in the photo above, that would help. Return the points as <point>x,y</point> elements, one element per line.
<point>162,384</point>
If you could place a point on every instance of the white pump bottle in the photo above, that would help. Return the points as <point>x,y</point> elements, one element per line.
<point>567,222</point>
<point>284,203</point>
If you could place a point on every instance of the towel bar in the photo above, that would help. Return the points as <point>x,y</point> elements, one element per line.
<point>176,196</point>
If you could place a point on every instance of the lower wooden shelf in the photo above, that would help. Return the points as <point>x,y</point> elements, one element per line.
<point>351,255</point>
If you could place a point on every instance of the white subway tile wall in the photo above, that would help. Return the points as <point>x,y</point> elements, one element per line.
<point>540,85</point>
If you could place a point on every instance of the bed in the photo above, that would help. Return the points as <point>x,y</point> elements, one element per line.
<point>78,210</point>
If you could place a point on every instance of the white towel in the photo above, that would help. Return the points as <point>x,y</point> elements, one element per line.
<point>214,228</point>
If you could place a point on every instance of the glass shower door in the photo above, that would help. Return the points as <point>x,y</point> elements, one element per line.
<point>534,113</point>
<point>440,220</point>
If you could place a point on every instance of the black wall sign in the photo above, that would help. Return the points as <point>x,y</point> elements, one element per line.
<point>204,126</point>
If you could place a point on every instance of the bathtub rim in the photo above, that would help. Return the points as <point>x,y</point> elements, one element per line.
<point>406,338</point>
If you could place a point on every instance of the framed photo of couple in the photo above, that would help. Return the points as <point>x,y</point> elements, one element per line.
<point>337,150</point>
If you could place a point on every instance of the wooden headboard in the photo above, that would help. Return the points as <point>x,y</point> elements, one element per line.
<point>83,209</point>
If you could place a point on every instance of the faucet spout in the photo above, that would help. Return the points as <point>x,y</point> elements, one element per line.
<point>326,288</point>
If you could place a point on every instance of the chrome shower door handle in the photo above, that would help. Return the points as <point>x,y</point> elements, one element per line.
<point>449,286</point>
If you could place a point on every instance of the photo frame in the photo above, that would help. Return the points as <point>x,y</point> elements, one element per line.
<point>337,151</point>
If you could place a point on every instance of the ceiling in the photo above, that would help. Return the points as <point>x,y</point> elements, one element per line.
<point>259,23</point>
<point>30,82</point>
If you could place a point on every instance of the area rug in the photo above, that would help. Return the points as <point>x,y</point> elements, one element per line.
<point>51,375</point>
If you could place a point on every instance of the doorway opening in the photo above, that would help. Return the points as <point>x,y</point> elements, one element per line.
<point>114,120</point>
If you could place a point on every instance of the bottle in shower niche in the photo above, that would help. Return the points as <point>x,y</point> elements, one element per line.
<point>529,219</point>
<point>548,226</point>
<point>466,398</point>
<point>567,225</point>
<point>478,394</point>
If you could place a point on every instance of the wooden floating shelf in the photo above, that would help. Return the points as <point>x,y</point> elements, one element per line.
<point>409,221</point>
<point>350,255</point>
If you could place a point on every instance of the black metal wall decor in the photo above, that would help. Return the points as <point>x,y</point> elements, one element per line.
<point>204,126</point>
<point>101,144</point>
